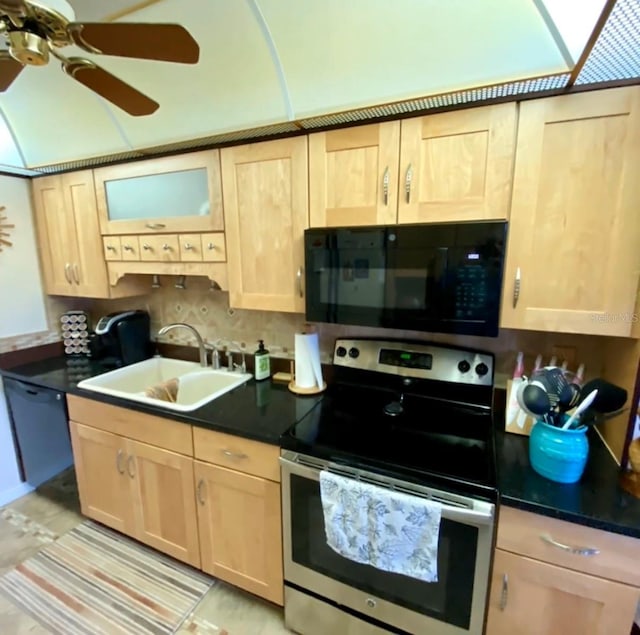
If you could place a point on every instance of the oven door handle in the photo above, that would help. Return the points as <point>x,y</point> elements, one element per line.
<point>474,517</point>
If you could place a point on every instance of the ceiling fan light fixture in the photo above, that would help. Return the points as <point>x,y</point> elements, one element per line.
<point>28,48</point>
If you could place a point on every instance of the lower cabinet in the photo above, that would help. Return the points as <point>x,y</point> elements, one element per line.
<point>140,490</point>
<point>219,511</point>
<point>239,516</point>
<point>551,577</point>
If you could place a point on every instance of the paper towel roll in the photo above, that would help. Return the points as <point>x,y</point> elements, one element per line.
<point>307,358</point>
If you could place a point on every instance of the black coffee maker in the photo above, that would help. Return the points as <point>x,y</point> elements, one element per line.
<point>122,338</point>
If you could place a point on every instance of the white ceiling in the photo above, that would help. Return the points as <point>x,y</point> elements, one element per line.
<point>264,62</point>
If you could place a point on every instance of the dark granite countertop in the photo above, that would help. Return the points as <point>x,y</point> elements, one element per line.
<point>256,410</point>
<point>595,500</point>
<point>263,410</point>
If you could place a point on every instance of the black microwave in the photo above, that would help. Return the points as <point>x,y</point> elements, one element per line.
<point>441,277</point>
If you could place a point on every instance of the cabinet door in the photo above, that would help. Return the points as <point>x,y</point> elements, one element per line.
<point>180,193</point>
<point>104,487</point>
<point>56,235</point>
<point>240,529</point>
<point>266,212</point>
<point>575,227</point>
<point>457,166</point>
<point>536,598</point>
<point>89,271</point>
<point>353,175</point>
<point>165,509</point>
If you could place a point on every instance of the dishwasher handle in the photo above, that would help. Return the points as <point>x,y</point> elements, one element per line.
<point>31,392</point>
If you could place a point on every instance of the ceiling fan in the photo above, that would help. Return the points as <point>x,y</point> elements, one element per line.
<point>35,29</point>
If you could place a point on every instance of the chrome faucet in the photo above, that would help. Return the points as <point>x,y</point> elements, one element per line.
<point>203,352</point>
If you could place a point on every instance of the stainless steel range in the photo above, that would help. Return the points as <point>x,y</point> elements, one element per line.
<point>404,416</point>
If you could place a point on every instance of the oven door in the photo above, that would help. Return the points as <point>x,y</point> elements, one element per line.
<point>452,606</point>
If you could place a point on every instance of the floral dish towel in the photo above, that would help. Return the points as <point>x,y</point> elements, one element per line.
<point>388,530</point>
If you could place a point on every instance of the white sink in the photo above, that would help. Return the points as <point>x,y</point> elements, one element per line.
<point>196,386</point>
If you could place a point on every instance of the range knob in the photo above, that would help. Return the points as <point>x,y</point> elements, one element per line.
<point>354,352</point>
<point>341,351</point>
<point>464,366</point>
<point>482,369</point>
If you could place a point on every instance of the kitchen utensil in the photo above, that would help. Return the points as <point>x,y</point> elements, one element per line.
<point>533,398</point>
<point>584,404</point>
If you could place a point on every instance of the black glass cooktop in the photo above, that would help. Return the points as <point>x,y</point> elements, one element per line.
<point>417,435</point>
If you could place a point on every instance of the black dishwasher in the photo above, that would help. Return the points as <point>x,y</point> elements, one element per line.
<point>40,428</point>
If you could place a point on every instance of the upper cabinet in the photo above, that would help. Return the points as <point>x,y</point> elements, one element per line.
<point>69,238</point>
<point>457,166</point>
<point>266,212</point>
<point>353,175</point>
<point>573,261</point>
<point>174,194</point>
<point>452,166</point>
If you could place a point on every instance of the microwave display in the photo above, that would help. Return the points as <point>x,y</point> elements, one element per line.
<point>435,277</point>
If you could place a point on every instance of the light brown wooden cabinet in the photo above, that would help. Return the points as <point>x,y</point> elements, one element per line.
<point>173,194</point>
<point>69,238</point>
<point>222,512</point>
<point>573,262</point>
<point>142,490</point>
<point>266,212</point>
<point>452,166</point>
<point>541,588</point>
<point>240,522</point>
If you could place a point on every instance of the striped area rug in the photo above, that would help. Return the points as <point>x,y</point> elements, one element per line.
<point>93,581</point>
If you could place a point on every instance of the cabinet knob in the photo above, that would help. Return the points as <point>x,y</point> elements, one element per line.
<point>128,248</point>
<point>188,246</point>
<point>110,248</point>
<point>147,247</point>
<point>166,247</point>
<point>211,246</point>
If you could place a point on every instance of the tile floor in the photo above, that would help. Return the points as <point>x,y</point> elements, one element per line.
<point>35,520</point>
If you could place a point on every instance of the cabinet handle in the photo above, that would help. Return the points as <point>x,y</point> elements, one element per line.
<point>76,273</point>
<point>516,288</point>
<point>128,248</point>
<point>67,272</point>
<point>188,246</point>
<point>110,248</point>
<point>155,225</point>
<point>199,491</point>
<point>119,457</point>
<point>147,247</point>
<point>211,246</point>
<point>299,277</point>
<point>166,247</point>
<point>234,455</point>
<point>130,462</point>
<point>385,186</point>
<point>578,551</point>
<point>504,594</point>
<point>407,183</point>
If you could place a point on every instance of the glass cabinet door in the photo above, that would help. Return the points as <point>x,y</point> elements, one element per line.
<point>172,194</point>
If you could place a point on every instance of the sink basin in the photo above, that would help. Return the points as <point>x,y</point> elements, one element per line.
<point>196,386</point>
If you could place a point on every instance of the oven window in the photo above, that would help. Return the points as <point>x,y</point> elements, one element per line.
<point>447,600</point>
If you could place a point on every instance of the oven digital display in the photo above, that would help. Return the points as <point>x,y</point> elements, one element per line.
<point>406,359</point>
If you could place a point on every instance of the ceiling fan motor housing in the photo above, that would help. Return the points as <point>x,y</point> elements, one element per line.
<point>28,48</point>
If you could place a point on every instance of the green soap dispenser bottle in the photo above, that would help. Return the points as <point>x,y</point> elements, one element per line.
<point>262,366</point>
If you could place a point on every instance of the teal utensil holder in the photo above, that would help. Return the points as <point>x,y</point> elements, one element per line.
<point>559,455</point>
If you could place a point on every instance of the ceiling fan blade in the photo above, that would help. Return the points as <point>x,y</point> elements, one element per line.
<point>13,6</point>
<point>110,87</point>
<point>163,42</point>
<point>9,70</point>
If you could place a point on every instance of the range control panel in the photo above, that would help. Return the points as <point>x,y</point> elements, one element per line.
<point>409,359</point>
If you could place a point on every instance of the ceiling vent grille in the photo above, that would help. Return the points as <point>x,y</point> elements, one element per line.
<point>616,54</point>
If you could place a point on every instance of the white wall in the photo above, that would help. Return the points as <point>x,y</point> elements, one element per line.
<point>22,309</point>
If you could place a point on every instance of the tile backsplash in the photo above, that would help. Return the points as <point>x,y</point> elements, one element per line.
<point>210,313</point>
